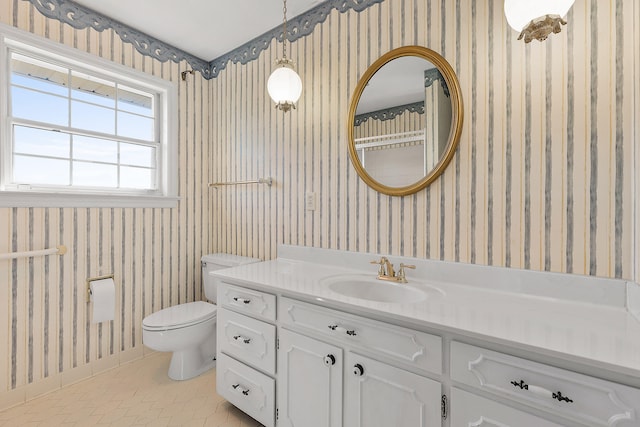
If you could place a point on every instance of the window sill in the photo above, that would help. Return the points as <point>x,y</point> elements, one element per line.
<point>18,199</point>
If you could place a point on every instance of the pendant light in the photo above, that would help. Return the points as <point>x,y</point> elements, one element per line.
<point>536,19</point>
<point>284,84</point>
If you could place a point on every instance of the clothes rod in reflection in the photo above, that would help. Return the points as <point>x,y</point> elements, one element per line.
<point>267,181</point>
<point>58,250</point>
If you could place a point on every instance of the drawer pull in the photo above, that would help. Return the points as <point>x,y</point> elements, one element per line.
<point>243,339</point>
<point>350,332</point>
<point>244,391</point>
<point>329,360</point>
<point>244,300</point>
<point>560,398</point>
<point>358,370</point>
<point>541,391</point>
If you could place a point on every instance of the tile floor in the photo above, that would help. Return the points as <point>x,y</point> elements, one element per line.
<point>135,394</point>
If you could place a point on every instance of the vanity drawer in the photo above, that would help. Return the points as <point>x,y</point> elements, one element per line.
<point>248,389</point>
<point>248,301</point>
<point>469,410</point>
<point>590,401</point>
<point>247,339</point>
<point>417,349</point>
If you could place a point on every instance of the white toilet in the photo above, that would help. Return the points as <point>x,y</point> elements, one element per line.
<point>189,330</point>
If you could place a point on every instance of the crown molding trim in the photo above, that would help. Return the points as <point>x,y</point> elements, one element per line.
<point>431,76</point>
<point>297,28</point>
<point>81,17</point>
<point>390,113</point>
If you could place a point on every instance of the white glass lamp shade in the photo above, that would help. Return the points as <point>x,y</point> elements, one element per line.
<point>284,86</point>
<point>520,12</point>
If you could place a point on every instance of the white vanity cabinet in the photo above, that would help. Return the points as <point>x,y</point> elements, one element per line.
<point>292,363</point>
<point>342,383</point>
<point>246,351</point>
<point>504,347</point>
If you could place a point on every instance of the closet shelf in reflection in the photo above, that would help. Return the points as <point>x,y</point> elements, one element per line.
<point>390,139</point>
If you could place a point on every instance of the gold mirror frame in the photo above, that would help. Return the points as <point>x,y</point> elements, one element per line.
<point>457,117</point>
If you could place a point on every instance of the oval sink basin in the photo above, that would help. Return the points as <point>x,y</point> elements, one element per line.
<point>364,287</point>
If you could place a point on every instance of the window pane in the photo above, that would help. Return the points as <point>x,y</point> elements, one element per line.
<point>136,178</point>
<point>39,75</point>
<point>137,155</point>
<point>95,175</point>
<point>95,149</point>
<point>135,101</point>
<point>40,142</point>
<point>39,84</point>
<point>133,126</point>
<point>92,117</point>
<point>38,170</point>
<point>92,89</point>
<point>40,107</point>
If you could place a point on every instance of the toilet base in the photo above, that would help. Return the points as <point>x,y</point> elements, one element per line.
<point>189,364</point>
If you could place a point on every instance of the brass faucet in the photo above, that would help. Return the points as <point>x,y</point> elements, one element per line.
<point>386,271</point>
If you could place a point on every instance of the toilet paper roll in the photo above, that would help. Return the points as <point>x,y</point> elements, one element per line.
<point>103,297</point>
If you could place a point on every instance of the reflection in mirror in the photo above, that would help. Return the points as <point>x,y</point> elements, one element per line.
<point>405,120</point>
<point>402,121</point>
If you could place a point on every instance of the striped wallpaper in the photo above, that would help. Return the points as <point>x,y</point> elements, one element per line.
<point>46,336</point>
<point>543,178</point>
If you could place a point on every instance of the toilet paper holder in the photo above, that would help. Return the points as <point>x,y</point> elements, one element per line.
<point>93,279</point>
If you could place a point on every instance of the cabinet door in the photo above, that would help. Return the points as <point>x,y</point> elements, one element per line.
<point>380,395</point>
<point>309,382</point>
<point>469,410</point>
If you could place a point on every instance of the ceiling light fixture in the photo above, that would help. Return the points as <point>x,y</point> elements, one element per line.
<point>536,19</point>
<point>284,84</point>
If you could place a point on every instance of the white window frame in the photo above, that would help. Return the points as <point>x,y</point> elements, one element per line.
<point>12,39</point>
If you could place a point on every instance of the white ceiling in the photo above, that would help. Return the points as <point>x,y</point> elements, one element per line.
<point>398,82</point>
<point>205,28</point>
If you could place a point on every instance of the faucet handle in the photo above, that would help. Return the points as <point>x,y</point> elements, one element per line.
<point>381,264</point>
<point>402,278</point>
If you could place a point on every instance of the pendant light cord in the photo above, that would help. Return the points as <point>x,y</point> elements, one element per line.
<point>284,31</point>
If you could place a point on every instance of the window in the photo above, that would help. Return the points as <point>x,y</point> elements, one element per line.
<point>82,129</point>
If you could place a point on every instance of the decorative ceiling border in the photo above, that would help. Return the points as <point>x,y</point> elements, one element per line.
<point>431,76</point>
<point>297,28</point>
<point>81,17</point>
<point>390,113</point>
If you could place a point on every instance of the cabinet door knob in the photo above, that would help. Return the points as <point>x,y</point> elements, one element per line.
<point>329,360</point>
<point>358,370</point>
<point>243,300</point>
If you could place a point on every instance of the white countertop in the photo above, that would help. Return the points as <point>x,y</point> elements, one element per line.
<point>576,318</point>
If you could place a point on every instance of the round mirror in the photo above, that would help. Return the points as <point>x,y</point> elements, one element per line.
<point>405,120</point>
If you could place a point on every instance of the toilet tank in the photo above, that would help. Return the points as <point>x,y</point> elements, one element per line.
<point>218,261</point>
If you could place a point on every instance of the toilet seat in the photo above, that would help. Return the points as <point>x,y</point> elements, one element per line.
<point>180,316</point>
